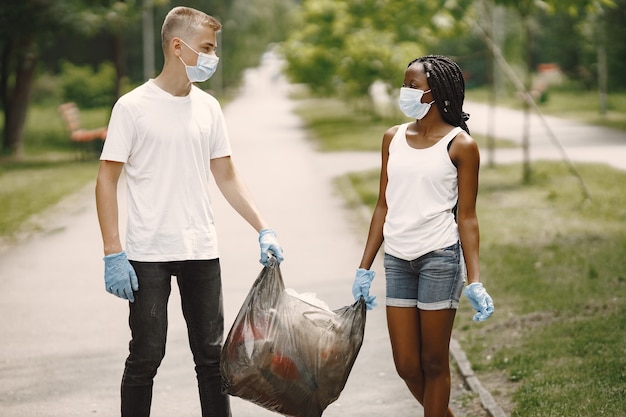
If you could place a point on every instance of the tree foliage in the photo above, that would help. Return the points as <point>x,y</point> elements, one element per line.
<point>25,27</point>
<point>345,45</point>
<point>98,31</point>
<point>249,27</point>
<point>29,27</point>
<point>342,46</point>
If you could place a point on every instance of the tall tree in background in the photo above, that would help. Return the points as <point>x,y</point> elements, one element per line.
<point>29,26</point>
<point>249,27</point>
<point>528,11</point>
<point>25,26</point>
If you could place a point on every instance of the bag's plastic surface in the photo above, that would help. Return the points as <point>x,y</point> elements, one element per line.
<point>289,353</point>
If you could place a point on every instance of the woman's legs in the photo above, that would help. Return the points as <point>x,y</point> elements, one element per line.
<point>420,343</point>
<point>436,331</point>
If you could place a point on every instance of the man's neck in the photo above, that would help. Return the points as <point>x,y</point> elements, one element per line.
<point>174,84</point>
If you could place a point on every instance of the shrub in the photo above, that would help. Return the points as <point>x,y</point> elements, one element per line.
<point>86,87</point>
<point>47,89</point>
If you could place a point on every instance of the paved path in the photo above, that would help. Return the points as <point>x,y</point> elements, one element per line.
<point>581,143</point>
<point>63,338</point>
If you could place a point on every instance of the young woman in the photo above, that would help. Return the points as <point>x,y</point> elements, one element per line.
<point>426,216</point>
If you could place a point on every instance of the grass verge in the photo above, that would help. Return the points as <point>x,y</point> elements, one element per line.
<point>28,188</point>
<point>51,168</point>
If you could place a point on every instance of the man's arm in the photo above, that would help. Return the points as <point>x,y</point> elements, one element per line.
<point>120,278</point>
<point>106,204</point>
<point>235,191</point>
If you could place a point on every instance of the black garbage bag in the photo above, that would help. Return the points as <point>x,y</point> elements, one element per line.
<point>287,353</point>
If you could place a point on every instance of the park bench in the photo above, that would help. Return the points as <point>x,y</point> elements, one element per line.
<point>83,138</point>
<point>71,117</point>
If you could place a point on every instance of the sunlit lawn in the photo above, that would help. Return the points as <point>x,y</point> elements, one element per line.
<point>52,167</point>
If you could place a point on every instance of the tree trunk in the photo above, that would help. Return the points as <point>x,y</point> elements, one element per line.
<point>148,39</point>
<point>5,68</point>
<point>493,91</point>
<point>119,59</point>
<point>602,64</point>
<point>17,97</point>
<point>528,80</point>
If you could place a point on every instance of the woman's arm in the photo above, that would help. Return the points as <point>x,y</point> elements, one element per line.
<point>375,234</point>
<point>465,155</point>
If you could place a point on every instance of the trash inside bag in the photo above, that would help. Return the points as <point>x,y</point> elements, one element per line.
<point>288,352</point>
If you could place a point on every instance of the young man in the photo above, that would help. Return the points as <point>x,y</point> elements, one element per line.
<point>169,137</point>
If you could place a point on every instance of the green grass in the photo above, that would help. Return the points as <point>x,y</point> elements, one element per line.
<point>554,264</point>
<point>338,126</point>
<point>555,267</point>
<point>27,188</point>
<point>51,168</point>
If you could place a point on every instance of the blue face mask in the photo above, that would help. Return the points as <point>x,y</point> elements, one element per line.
<point>204,69</point>
<point>410,102</point>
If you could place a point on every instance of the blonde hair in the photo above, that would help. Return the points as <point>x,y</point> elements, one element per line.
<point>185,22</point>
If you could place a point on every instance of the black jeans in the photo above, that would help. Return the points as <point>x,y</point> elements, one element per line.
<point>201,296</point>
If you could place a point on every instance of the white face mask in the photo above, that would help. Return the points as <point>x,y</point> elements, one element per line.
<point>204,69</point>
<point>410,102</point>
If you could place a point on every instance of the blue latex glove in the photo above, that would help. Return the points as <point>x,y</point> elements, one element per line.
<point>361,287</point>
<point>269,243</point>
<point>480,300</point>
<point>119,276</point>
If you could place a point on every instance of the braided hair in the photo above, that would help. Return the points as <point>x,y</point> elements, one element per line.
<point>447,85</point>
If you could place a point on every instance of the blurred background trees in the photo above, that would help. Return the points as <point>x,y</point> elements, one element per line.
<point>92,51</point>
<point>343,46</point>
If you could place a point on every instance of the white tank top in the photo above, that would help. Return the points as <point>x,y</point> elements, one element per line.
<point>422,190</point>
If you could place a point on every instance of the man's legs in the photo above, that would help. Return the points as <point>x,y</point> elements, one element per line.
<point>201,294</point>
<point>148,325</point>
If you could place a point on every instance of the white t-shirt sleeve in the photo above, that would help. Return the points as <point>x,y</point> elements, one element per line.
<point>120,135</point>
<point>220,141</point>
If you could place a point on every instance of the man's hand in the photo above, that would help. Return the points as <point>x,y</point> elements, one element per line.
<point>269,243</point>
<point>119,276</point>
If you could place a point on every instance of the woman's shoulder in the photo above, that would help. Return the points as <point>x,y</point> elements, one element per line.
<point>463,146</point>
<point>391,132</point>
<point>464,140</point>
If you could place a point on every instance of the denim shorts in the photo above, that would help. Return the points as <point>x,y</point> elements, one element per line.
<point>433,281</point>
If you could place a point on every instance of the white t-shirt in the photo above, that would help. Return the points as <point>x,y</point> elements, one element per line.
<point>166,143</point>
<point>422,191</point>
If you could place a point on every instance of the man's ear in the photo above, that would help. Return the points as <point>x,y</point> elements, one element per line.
<point>175,46</point>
